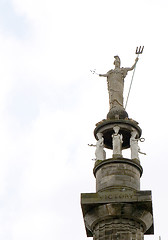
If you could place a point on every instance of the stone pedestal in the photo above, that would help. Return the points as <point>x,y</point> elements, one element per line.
<point>117,173</point>
<point>117,214</point>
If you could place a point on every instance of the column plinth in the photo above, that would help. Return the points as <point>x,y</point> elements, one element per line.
<point>117,213</point>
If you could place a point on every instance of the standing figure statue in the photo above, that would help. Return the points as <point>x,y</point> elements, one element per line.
<point>115,82</point>
<point>117,142</point>
<point>99,153</point>
<point>135,149</point>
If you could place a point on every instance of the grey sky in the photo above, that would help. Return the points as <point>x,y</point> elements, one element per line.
<point>50,103</point>
<point>11,22</point>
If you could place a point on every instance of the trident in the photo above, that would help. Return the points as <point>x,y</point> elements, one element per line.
<point>138,51</point>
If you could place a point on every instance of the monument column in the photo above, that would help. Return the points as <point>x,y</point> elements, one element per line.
<point>118,210</point>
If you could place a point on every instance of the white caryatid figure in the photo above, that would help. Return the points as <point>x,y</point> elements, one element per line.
<point>135,149</point>
<point>117,142</point>
<point>99,153</point>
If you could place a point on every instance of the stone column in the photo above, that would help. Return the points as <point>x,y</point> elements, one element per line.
<point>118,229</point>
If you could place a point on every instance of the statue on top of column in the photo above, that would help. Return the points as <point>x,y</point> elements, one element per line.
<point>115,82</point>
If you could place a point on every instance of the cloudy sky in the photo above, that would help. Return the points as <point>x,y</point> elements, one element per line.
<point>50,103</point>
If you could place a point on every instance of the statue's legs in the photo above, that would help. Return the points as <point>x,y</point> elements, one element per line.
<point>115,98</point>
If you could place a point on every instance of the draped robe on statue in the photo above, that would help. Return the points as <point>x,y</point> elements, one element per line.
<point>115,83</point>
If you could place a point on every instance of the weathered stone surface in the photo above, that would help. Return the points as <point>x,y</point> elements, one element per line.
<point>117,173</point>
<point>118,229</point>
<point>121,207</point>
<point>115,196</point>
<point>117,112</point>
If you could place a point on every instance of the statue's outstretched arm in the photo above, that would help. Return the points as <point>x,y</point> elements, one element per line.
<point>106,74</point>
<point>103,75</point>
<point>133,66</point>
<point>91,145</point>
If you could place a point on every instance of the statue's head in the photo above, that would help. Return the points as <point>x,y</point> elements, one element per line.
<point>99,135</point>
<point>117,61</point>
<point>116,129</point>
<point>134,133</point>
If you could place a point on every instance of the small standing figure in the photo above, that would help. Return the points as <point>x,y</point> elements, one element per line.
<point>99,153</point>
<point>117,142</point>
<point>135,149</point>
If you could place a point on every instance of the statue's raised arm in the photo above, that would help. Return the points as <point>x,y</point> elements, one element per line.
<point>133,66</point>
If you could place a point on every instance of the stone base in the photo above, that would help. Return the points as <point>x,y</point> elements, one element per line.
<point>117,173</point>
<point>114,213</point>
<point>117,112</point>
